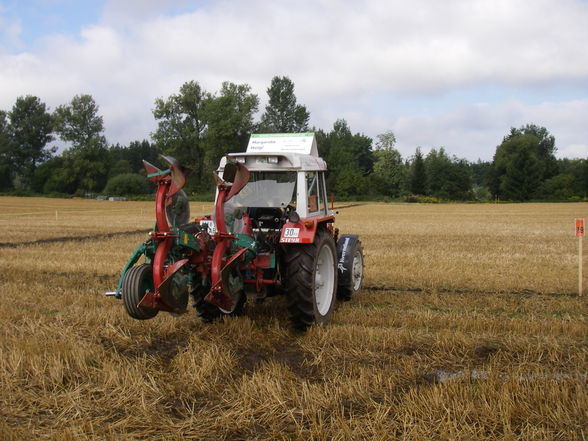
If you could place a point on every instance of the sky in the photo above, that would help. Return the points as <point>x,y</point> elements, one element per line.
<point>456,74</point>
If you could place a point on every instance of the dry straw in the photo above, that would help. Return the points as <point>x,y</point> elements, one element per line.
<point>468,330</point>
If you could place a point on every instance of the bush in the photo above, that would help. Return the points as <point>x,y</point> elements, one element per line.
<point>126,184</point>
<point>481,194</point>
<point>422,199</point>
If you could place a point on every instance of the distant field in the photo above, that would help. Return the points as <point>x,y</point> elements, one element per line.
<point>468,329</point>
<point>44,218</point>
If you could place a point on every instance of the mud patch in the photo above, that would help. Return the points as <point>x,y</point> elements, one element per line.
<point>289,355</point>
<point>165,350</point>
<point>484,351</point>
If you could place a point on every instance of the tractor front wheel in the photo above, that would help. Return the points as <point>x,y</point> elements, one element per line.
<point>311,281</point>
<point>138,280</point>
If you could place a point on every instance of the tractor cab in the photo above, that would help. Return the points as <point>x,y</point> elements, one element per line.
<point>286,183</point>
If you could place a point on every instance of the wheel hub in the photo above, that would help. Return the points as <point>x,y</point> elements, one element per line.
<point>324,280</point>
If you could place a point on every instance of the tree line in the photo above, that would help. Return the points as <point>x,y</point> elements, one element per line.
<point>198,127</point>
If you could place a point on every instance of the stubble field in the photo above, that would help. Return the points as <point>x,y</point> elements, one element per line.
<point>469,328</point>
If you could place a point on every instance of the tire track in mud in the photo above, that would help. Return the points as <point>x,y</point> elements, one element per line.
<point>348,206</point>
<point>71,238</point>
<point>521,292</point>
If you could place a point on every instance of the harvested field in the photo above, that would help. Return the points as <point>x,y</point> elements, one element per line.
<point>469,329</point>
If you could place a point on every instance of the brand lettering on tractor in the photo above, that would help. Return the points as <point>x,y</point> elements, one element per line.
<point>341,265</point>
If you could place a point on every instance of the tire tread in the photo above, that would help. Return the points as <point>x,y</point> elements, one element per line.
<point>300,262</point>
<point>131,294</point>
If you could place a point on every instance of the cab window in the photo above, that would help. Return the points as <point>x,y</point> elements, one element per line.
<point>314,191</point>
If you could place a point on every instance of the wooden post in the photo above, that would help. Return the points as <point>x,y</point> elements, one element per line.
<point>580,235</point>
<point>580,267</point>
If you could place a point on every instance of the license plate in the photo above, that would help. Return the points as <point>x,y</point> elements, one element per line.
<point>209,224</point>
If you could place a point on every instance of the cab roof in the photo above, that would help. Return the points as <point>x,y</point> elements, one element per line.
<point>280,151</point>
<point>276,161</point>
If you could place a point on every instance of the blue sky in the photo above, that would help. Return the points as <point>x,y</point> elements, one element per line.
<point>456,74</point>
<point>42,17</point>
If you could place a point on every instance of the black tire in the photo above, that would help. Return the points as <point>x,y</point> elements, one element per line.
<point>349,266</point>
<point>137,281</point>
<point>208,312</point>
<point>309,304</point>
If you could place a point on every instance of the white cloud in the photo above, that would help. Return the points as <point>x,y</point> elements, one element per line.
<point>339,54</point>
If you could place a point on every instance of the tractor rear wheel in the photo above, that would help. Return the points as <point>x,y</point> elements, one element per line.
<point>311,281</point>
<point>138,280</point>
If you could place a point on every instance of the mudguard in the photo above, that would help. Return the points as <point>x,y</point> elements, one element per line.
<point>345,246</point>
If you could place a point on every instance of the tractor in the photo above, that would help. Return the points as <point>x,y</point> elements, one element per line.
<point>271,233</point>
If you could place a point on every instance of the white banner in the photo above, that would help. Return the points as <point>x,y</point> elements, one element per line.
<point>303,143</point>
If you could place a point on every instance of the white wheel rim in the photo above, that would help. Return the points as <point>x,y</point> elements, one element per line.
<point>357,270</point>
<point>324,280</point>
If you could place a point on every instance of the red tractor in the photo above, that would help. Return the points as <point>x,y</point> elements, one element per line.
<point>271,233</point>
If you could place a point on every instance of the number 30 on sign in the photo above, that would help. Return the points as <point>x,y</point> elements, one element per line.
<point>579,227</point>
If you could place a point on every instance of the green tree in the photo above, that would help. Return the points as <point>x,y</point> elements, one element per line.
<point>350,181</point>
<point>578,169</point>
<point>87,169</point>
<point>583,177</point>
<point>86,163</point>
<point>458,185</point>
<point>197,127</point>
<point>560,187</point>
<point>5,154</point>
<point>53,176</point>
<point>437,164</point>
<point>345,146</point>
<point>229,121</point>
<point>447,178</point>
<point>386,141</point>
<point>282,113</point>
<point>544,150</point>
<point>389,170</point>
<point>543,144</point>
<point>181,126</point>
<point>127,184</point>
<point>133,155</point>
<point>350,159</point>
<point>120,167</point>
<point>30,130</point>
<point>480,172</point>
<point>522,176</point>
<point>322,142</point>
<point>417,178</point>
<point>79,123</point>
